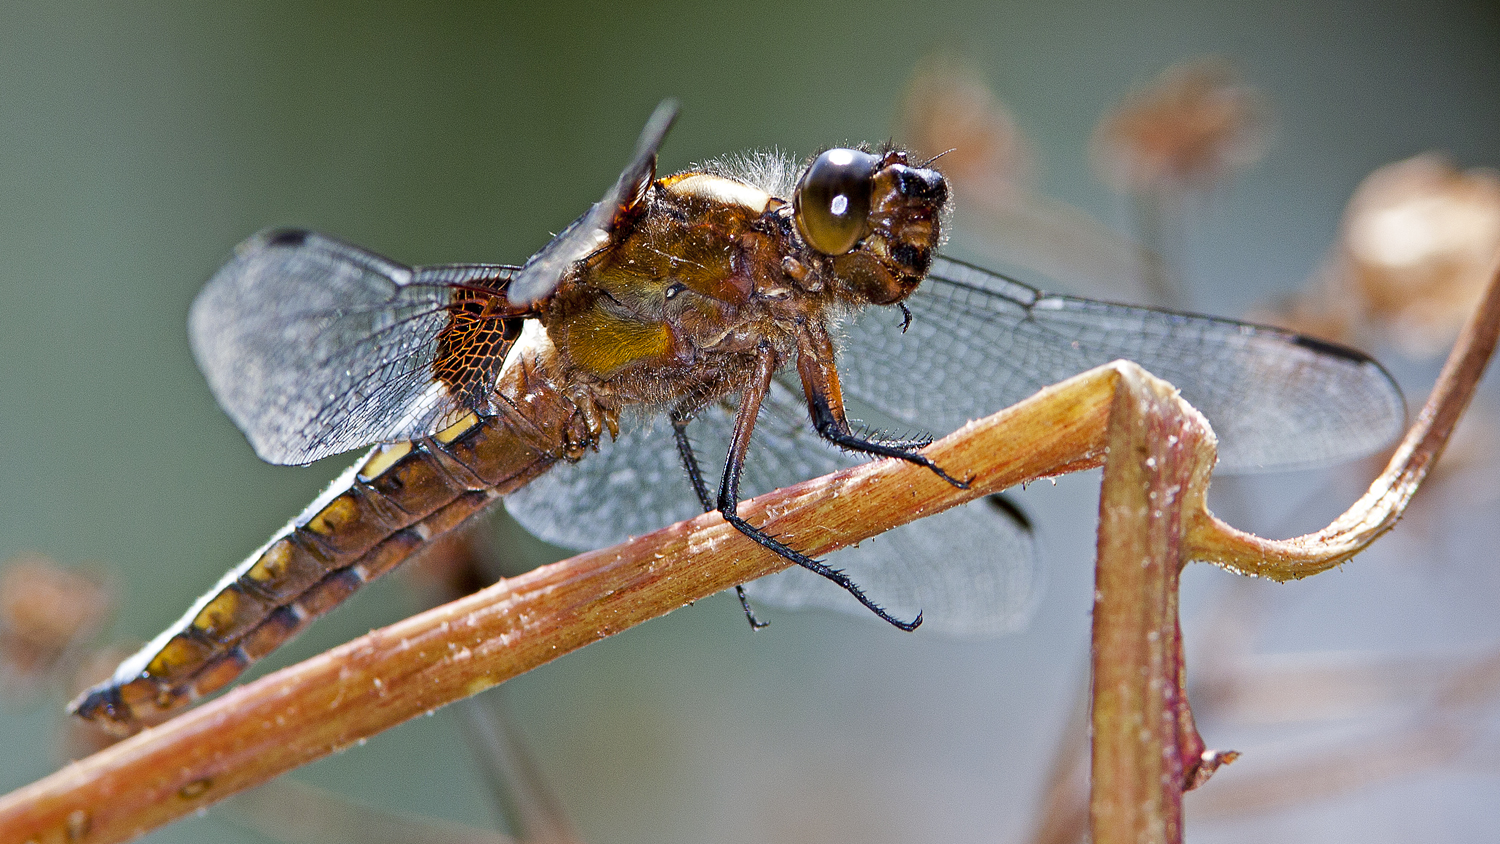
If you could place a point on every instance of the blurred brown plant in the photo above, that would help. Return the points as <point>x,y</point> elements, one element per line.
<point>47,612</point>
<point>949,110</point>
<point>1417,243</point>
<point>1188,129</point>
<point>1360,717</point>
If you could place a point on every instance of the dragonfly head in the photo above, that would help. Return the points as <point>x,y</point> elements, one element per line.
<point>877,217</point>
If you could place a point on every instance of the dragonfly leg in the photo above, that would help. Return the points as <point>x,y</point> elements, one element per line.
<point>755,623</point>
<point>825,403</point>
<point>695,476</point>
<point>690,460</point>
<point>829,428</point>
<point>729,494</point>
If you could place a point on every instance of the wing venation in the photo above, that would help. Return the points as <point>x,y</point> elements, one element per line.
<point>1276,400</point>
<point>315,347</point>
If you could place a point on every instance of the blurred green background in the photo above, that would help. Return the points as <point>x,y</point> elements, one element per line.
<point>139,142</point>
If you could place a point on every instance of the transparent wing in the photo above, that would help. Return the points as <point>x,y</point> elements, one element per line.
<point>314,347</point>
<point>972,570</point>
<point>979,342</point>
<point>590,233</point>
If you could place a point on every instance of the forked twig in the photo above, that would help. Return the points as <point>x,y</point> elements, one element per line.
<point>1152,512</point>
<point>1153,520</point>
<point>1381,507</point>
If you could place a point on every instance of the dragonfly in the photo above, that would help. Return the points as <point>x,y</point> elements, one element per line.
<point>788,319</point>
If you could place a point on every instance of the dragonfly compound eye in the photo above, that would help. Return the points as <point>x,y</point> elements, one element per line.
<point>833,200</point>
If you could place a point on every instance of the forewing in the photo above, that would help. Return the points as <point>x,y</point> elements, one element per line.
<point>591,232</point>
<point>971,571</point>
<point>314,347</point>
<point>979,342</point>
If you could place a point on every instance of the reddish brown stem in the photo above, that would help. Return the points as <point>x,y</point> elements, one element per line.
<point>1152,519</point>
<point>1381,507</point>
<point>1145,746</point>
<point>354,691</point>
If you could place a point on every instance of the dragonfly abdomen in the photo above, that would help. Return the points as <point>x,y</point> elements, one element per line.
<point>373,517</point>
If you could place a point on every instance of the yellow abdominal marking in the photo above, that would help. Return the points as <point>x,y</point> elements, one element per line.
<point>382,459</point>
<point>178,652</point>
<point>340,511</point>
<point>220,614</point>
<point>274,563</point>
<point>457,429</point>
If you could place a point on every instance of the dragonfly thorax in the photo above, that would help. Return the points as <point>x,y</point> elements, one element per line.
<point>712,267</point>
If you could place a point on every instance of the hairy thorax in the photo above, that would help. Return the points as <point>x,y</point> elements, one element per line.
<point>675,314</point>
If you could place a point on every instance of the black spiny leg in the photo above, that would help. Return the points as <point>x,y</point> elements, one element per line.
<point>729,492</point>
<point>695,476</point>
<point>829,428</point>
<point>825,403</point>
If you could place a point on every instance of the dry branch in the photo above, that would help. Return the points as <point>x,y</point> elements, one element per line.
<point>1146,751</point>
<point>1381,507</point>
<point>377,681</point>
<point>1153,518</point>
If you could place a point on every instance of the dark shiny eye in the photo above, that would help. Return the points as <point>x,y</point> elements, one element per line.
<point>674,288</point>
<point>833,200</point>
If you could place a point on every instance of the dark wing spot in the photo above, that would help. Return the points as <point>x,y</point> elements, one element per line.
<point>1323,347</point>
<point>287,237</point>
<point>1010,510</point>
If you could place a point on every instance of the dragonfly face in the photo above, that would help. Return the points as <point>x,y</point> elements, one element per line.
<point>875,217</point>
<point>717,299</point>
